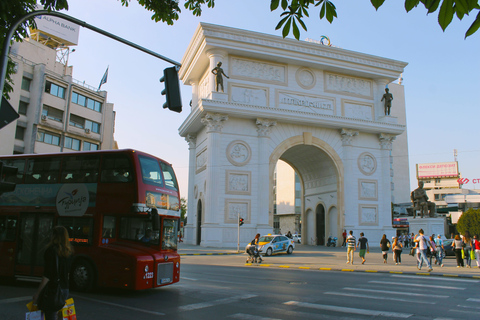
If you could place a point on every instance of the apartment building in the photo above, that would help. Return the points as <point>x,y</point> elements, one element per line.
<point>57,112</point>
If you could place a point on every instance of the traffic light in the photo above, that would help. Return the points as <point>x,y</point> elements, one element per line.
<point>172,89</point>
<point>6,171</point>
<point>240,221</point>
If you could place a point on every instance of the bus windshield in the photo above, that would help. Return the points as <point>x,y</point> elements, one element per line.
<point>138,229</point>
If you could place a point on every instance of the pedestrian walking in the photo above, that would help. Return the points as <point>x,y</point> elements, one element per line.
<point>385,246</point>
<point>457,245</point>
<point>397,250</point>
<point>351,247</point>
<point>363,245</point>
<point>476,246</point>
<point>433,249</point>
<point>467,240</point>
<point>440,250</point>
<point>422,247</point>
<point>344,235</point>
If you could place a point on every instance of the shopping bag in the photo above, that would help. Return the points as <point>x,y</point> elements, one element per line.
<point>472,254</point>
<point>68,311</point>
<point>463,254</point>
<point>34,315</point>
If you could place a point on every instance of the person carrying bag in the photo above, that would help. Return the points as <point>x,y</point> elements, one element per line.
<point>54,288</point>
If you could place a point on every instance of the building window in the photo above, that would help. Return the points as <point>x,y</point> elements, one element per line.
<point>77,121</point>
<point>48,137</point>
<point>72,143</point>
<point>86,102</point>
<point>26,84</point>
<point>20,133</point>
<point>93,126</point>
<point>52,113</point>
<point>437,181</point>
<point>22,108</point>
<point>437,197</point>
<point>89,146</point>
<point>55,90</point>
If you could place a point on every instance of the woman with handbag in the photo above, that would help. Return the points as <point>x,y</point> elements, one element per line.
<point>384,246</point>
<point>397,250</point>
<point>54,289</point>
<point>457,245</point>
<point>467,248</point>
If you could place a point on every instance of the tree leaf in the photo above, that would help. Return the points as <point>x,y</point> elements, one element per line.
<point>284,4</point>
<point>461,6</point>
<point>296,32</point>
<point>323,10</point>
<point>433,6</point>
<point>445,15</point>
<point>474,27</point>
<point>303,24</point>
<point>410,4</point>
<point>286,29</point>
<point>280,24</point>
<point>330,13</point>
<point>377,3</point>
<point>274,4</point>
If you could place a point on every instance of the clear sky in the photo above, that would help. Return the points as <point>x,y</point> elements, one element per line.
<point>442,82</point>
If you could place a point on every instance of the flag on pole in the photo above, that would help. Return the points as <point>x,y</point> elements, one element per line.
<point>104,79</point>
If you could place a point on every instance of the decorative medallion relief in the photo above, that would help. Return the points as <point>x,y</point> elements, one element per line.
<point>235,209</point>
<point>249,95</point>
<point>238,182</point>
<point>239,153</point>
<point>295,101</point>
<point>367,189</point>
<point>356,110</point>
<point>338,83</point>
<point>367,163</point>
<point>201,161</point>
<point>305,78</point>
<point>258,70</point>
<point>368,214</point>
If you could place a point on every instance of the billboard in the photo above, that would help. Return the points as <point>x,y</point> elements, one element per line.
<point>437,170</point>
<point>58,28</point>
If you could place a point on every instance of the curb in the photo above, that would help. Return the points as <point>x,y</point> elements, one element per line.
<point>209,254</point>
<point>369,271</point>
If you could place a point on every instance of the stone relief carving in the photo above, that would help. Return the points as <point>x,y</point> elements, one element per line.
<point>258,70</point>
<point>347,136</point>
<point>386,141</point>
<point>239,153</point>
<point>237,208</point>
<point>368,215</point>
<point>238,182</point>
<point>201,161</point>
<point>367,189</point>
<point>367,163</point>
<point>264,126</point>
<point>305,78</point>
<point>358,111</point>
<point>347,84</point>
<point>288,100</point>
<point>214,121</point>
<point>252,96</point>
<point>203,88</point>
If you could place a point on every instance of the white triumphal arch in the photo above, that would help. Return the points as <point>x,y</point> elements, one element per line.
<point>316,107</point>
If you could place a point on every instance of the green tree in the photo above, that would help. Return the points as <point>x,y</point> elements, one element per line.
<point>294,12</point>
<point>469,221</point>
<point>183,210</point>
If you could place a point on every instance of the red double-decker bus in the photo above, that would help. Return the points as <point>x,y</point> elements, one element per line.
<point>120,207</point>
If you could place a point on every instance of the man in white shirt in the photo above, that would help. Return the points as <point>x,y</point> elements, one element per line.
<point>423,247</point>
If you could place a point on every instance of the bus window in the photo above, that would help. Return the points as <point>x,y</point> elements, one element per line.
<point>169,176</point>
<point>80,230</point>
<point>8,228</point>
<point>116,168</point>
<point>80,169</point>
<point>42,170</point>
<point>138,229</point>
<point>170,228</point>
<point>20,164</point>
<point>108,227</point>
<point>150,171</point>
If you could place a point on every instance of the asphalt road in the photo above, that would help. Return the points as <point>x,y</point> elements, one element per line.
<point>220,290</point>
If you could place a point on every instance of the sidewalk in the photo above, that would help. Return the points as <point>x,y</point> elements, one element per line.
<point>334,259</point>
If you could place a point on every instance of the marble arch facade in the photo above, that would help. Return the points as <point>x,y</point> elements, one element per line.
<point>315,107</point>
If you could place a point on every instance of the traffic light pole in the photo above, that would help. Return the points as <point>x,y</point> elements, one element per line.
<point>238,232</point>
<point>19,21</point>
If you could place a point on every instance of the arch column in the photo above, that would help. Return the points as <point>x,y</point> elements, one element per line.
<point>264,127</point>
<point>214,123</point>
<point>348,219</point>
<point>191,206</point>
<point>386,161</point>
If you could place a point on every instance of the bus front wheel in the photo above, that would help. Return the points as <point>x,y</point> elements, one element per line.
<point>82,275</point>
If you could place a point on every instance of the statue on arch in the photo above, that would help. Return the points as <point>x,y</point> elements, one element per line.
<point>388,97</point>
<point>218,72</point>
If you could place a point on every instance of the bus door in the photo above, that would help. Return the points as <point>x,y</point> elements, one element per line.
<point>8,237</point>
<point>34,235</point>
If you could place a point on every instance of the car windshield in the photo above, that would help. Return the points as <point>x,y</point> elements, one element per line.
<point>265,239</point>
